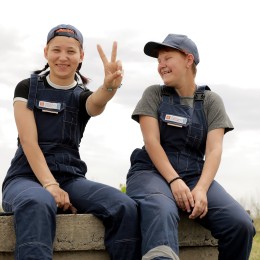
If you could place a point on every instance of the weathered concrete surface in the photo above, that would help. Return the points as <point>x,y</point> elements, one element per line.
<point>81,237</point>
<point>77,237</point>
<point>192,234</point>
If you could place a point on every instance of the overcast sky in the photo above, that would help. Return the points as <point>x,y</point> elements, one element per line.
<point>227,36</point>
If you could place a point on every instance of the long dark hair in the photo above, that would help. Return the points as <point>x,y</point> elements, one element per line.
<point>46,71</point>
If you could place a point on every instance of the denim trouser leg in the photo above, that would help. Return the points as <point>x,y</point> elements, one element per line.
<point>158,215</point>
<point>226,219</point>
<point>229,223</point>
<point>34,219</point>
<point>118,212</point>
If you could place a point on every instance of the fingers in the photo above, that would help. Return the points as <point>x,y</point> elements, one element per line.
<point>183,204</point>
<point>198,212</point>
<point>72,209</point>
<point>62,200</point>
<point>194,214</point>
<point>114,52</point>
<point>118,72</point>
<point>103,56</point>
<point>204,213</point>
<point>120,67</point>
<point>189,202</point>
<point>185,200</point>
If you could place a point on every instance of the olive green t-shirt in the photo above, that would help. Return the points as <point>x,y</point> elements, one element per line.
<point>213,106</point>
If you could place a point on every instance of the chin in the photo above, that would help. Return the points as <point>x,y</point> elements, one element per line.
<point>167,83</point>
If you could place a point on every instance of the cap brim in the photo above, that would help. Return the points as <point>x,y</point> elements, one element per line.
<point>152,48</point>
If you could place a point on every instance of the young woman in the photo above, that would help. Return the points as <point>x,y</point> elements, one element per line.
<point>183,126</point>
<point>51,110</point>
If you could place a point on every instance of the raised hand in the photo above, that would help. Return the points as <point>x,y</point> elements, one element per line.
<point>113,68</point>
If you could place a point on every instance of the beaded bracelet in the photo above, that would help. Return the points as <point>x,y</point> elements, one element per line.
<point>174,179</point>
<point>50,183</point>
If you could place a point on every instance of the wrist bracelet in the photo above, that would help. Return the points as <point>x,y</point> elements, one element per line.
<point>51,183</point>
<point>174,179</point>
<point>112,89</point>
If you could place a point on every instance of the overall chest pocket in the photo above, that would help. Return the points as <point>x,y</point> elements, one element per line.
<point>70,115</point>
<point>56,122</point>
<point>195,135</point>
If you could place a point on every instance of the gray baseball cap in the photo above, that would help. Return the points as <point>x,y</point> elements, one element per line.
<point>176,41</point>
<point>65,30</point>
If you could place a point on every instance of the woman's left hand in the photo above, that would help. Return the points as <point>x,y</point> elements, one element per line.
<point>113,69</point>
<point>201,203</point>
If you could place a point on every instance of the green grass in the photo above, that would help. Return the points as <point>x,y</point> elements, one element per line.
<point>255,253</point>
<point>257,224</point>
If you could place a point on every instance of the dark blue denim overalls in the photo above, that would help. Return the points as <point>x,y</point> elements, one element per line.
<point>183,133</point>
<point>57,119</point>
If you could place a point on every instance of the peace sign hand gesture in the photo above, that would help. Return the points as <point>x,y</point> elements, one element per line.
<point>113,69</point>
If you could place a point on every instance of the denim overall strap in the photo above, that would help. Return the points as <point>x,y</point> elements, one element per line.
<point>169,95</point>
<point>33,90</point>
<point>199,110</point>
<point>199,94</point>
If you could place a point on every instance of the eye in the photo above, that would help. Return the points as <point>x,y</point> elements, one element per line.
<point>56,50</point>
<point>168,58</point>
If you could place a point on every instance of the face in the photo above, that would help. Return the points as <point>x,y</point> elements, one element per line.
<point>173,66</point>
<point>63,55</point>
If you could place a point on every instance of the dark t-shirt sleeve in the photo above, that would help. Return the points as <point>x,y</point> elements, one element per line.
<point>22,89</point>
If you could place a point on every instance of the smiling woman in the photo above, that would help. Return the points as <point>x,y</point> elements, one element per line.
<point>47,174</point>
<point>183,127</point>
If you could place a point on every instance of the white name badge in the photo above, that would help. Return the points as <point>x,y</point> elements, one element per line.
<point>50,107</point>
<point>176,120</point>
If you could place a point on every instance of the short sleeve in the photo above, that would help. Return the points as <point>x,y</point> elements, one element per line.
<point>22,90</point>
<point>149,103</point>
<point>216,113</point>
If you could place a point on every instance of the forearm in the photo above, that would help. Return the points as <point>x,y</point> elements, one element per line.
<point>160,160</point>
<point>210,169</point>
<point>38,163</point>
<point>212,158</point>
<point>98,100</point>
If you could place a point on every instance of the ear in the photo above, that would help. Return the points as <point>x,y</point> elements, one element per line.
<point>190,59</point>
<point>45,52</point>
<point>82,54</point>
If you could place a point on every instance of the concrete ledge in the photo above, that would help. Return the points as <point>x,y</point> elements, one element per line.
<point>81,237</point>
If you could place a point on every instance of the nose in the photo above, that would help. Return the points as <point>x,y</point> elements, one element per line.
<point>63,55</point>
<point>161,65</point>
